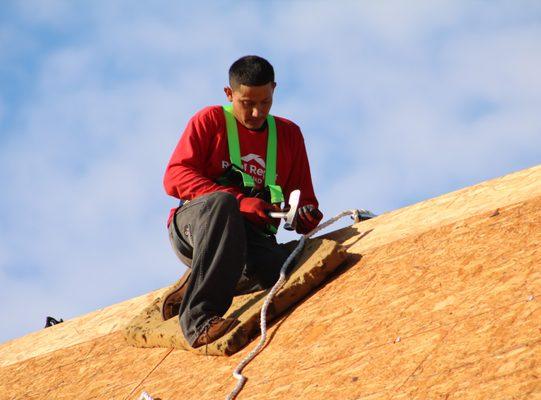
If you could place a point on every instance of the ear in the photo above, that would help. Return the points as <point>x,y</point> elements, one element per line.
<point>228,93</point>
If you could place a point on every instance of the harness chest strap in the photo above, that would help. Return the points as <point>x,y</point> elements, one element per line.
<point>233,143</point>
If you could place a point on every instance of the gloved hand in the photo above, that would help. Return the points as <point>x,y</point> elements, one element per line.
<point>308,218</point>
<point>255,210</point>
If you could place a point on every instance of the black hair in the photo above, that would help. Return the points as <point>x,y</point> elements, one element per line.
<point>250,71</point>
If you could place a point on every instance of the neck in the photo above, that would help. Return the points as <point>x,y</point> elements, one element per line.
<point>261,128</point>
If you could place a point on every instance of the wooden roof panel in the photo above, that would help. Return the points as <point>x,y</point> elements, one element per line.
<point>438,300</point>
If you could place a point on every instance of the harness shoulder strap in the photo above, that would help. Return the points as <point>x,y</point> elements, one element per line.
<point>276,193</point>
<point>234,145</point>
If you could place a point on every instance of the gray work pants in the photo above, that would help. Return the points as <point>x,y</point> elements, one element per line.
<point>210,235</point>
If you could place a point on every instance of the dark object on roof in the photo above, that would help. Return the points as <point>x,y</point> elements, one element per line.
<point>51,321</point>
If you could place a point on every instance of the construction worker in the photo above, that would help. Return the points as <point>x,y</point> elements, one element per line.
<point>232,165</point>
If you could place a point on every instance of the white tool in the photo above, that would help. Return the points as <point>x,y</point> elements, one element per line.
<point>289,214</point>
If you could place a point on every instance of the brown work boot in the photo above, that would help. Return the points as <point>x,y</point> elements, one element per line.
<point>215,328</point>
<point>172,298</point>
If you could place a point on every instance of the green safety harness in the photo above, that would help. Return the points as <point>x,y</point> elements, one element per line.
<point>275,191</point>
<point>276,194</point>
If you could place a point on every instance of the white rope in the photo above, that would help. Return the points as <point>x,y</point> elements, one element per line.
<point>359,215</point>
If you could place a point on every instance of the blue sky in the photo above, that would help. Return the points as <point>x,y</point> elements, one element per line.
<point>398,101</point>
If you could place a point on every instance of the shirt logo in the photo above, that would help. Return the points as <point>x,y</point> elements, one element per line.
<point>254,157</point>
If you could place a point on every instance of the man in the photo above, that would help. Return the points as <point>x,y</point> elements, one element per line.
<point>232,165</point>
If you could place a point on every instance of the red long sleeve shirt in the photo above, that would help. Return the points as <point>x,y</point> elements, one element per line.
<point>202,155</point>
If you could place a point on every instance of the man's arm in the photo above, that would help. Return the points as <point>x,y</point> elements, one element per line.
<point>309,215</point>
<point>301,177</point>
<point>185,179</point>
<point>184,176</point>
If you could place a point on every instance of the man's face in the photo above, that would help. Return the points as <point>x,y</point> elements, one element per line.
<point>251,104</point>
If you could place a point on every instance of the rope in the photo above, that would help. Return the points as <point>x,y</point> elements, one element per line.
<point>358,215</point>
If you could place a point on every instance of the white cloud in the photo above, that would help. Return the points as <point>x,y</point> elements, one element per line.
<point>407,140</point>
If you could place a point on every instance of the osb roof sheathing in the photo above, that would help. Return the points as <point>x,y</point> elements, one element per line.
<point>438,300</point>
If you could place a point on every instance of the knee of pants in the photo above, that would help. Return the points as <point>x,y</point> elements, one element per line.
<point>223,201</point>
<point>183,253</point>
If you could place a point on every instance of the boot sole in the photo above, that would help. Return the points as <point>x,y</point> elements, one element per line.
<point>174,292</point>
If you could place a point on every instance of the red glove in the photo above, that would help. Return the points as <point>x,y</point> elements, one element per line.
<point>308,218</point>
<point>255,210</point>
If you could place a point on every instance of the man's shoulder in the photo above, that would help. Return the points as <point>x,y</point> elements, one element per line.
<point>285,122</point>
<point>287,126</point>
<point>209,114</point>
